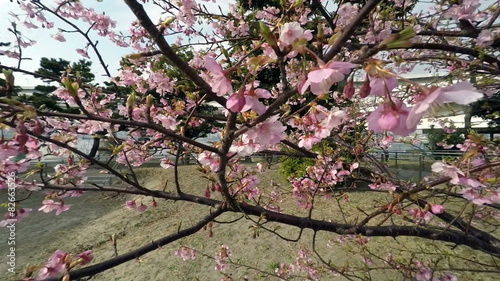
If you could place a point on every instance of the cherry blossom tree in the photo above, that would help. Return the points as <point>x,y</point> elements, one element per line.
<point>339,64</point>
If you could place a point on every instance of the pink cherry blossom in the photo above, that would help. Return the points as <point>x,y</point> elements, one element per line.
<point>420,216</point>
<point>245,147</point>
<point>322,79</point>
<point>252,96</point>
<point>209,159</point>
<point>54,267</point>
<point>391,117</point>
<point>308,140</point>
<point>334,118</point>
<point>83,53</point>
<point>141,208</point>
<point>220,83</point>
<point>86,257</point>
<point>186,253</point>
<point>495,196</point>
<point>283,271</point>
<point>18,215</point>
<point>130,204</point>
<point>470,182</point>
<point>292,31</point>
<point>464,11</point>
<point>382,85</point>
<point>236,102</point>
<point>165,163</point>
<point>436,209</point>
<point>50,205</point>
<point>388,186</point>
<point>460,93</point>
<point>268,133</point>
<point>59,37</point>
<point>423,274</point>
<point>447,171</point>
<point>222,258</point>
<point>485,38</point>
<point>448,277</point>
<point>168,122</point>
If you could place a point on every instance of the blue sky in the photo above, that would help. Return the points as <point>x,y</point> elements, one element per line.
<point>46,46</point>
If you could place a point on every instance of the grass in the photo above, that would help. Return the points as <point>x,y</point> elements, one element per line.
<point>266,251</point>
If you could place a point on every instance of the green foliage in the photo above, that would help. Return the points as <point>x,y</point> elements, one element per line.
<point>295,167</point>
<point>56,67</point>
<point>258,4</point>
<point>488,108</point>
<point>3,83</point>
<point>438,135</point>
<point>43,97</point>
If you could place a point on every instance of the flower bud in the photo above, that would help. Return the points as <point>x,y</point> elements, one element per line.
<point>365,89</point>
<point>349,89</point>
<point>399,44</point>
<point>407,34</point>
<point>38,129</point>
<point>9,77</point>
<point>320,32</point>
<point>131,99</point>
<point>72,87</point>
<point>167,22</point>
<point>149,101</point>
<point>268,35</point>
<point>134,56</point>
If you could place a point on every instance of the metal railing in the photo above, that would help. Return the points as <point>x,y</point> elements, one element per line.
<point>418,161</point>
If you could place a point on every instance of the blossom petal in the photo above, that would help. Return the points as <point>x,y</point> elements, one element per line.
<point>212,65</point>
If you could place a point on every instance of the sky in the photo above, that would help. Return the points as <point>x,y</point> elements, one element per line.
<point>48,47</point>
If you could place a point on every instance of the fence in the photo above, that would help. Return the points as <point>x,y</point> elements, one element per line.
<point>407,165</point>
<point>416,164</point>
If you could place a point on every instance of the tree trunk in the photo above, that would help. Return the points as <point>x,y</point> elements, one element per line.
<point>467,119</point>
<point>95,143</point>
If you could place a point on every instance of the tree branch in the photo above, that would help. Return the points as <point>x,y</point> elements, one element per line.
<point>105,265</point>
<point>351,28</point>
<point>167,51</point>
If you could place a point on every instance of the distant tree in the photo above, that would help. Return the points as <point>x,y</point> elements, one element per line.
<point>3,88</point>
<point>56,67</point>
<point>488,108</point>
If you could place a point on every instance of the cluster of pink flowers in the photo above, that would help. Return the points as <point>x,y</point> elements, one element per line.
<point>321,80</point>
<point>473,190</point>
<point>131,204</point>
<point>222,258</point>
<point>209,159</point>
<point>186,253</point>
<point>70,174</point>
<point>50,205</point>
<point>14,217</point>
<point>134,155</point>
<point>60,261</point>
<point>304,263</point>
<point>284,270</point>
